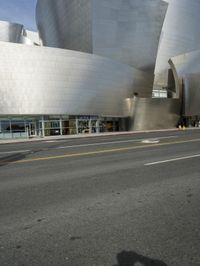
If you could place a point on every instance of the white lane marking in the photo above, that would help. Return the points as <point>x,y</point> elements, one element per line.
<point>151,141</point>
<point>10,152</point>
<point>113,142</point>
<point>51,141</point>
<point>173,160</point>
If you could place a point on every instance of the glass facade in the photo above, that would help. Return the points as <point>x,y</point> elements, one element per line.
<point>159,93</point>
<point>41,126</point>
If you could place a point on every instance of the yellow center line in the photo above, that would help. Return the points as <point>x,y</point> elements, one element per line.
<point>100,151</point>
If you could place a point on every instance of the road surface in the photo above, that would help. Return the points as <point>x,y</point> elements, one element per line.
<point>121,200</point>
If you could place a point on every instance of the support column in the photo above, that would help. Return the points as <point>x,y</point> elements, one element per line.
<point>90,126</point>
<point>77,126</point>
<point>97,126</point>
<point>61,127</point>
<point>43,131</point>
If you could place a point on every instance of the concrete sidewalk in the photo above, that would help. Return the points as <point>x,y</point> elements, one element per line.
<point>77,136</point>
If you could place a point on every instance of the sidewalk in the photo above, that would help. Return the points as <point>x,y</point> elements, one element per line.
<point>55,138</point>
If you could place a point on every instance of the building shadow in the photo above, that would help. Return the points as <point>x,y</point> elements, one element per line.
<point>11,158</point>
<point>130,258</point>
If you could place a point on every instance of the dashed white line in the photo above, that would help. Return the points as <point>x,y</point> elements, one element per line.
<point>151,141</point>
<point>155,140</point>
<point>173,160</point>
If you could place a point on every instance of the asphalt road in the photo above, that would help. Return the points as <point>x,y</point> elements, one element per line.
<point>121,200</point>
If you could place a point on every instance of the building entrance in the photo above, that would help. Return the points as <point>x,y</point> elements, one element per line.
<point>83,126</point>
<point>31,129</point>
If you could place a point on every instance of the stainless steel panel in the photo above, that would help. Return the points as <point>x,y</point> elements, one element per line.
<point>186,69</point>
<point>30,38</point>
<point>10,32</point>
<point>128,31</point>
<point>65,24</point>
<point>15,33</point>
<point>180,34</point>
<point>149,114</point>
<point>192,94</point>
<point>40,80</point>
<point>125,30</point>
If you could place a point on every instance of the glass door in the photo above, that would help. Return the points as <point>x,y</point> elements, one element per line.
<point>83,126</point>
<point>32,132</point>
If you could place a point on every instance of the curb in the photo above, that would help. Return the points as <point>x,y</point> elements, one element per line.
<point>57,138</point>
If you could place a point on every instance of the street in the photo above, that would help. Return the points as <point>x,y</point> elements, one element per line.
<point>123,200</point>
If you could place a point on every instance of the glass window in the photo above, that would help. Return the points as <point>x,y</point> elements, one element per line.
<point>55,124</point>
<point>5,126</point>
<point>52,124</point>
<point>159,93</point>
<point>18,126</point>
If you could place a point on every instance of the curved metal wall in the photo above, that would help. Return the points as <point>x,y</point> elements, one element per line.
<point>65,24</point>
<point>10,32</point>
<point>15,33</point>
<point>180,34</point>
<point>186,69</point>
<point>125,30</point>
<point>192,94</point>
<point>40,80</point>
<point>150,114</point>
<point>128,31</point>
<point>32,36</point>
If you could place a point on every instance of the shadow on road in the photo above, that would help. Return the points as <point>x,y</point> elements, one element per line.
<point>130,258</point>
<point>11,158</point>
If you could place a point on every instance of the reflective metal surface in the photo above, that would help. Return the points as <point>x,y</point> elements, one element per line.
<point>10,32</point>
<point>125,30</point>
<point>108,56</point>
<point>65,24</point>
<point>128,31</point>
<point>15,33</point>
<point>186,70</point>
<point>192,94</point>
<point>30,38</point>
<point>147,113</point>
<point>37,80</point>
<point>180,34</point>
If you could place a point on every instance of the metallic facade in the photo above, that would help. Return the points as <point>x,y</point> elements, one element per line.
<point>65,24</point>
<point>186,70</point>
<point>192,94</point>
<point>16,33</point>
<point>10,32</point>
<point>149,114</point>
<point>124,30</point>
<point>180,34</point>
<point>58,81</point>
<point>97,58</point>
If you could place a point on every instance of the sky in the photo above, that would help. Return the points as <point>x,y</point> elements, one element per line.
<point>19,11</point>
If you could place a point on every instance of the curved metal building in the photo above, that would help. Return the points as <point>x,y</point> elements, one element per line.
<point>15,33</point>
<point>153,113</point>
<point>186,70</point>
<point>127,31</point>
<point>57,81</point>
<point>10,32</point>
<point>180,34</point>
<point>98,59</point>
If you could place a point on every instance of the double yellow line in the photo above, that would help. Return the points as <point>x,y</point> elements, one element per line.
<point>100,152</point>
